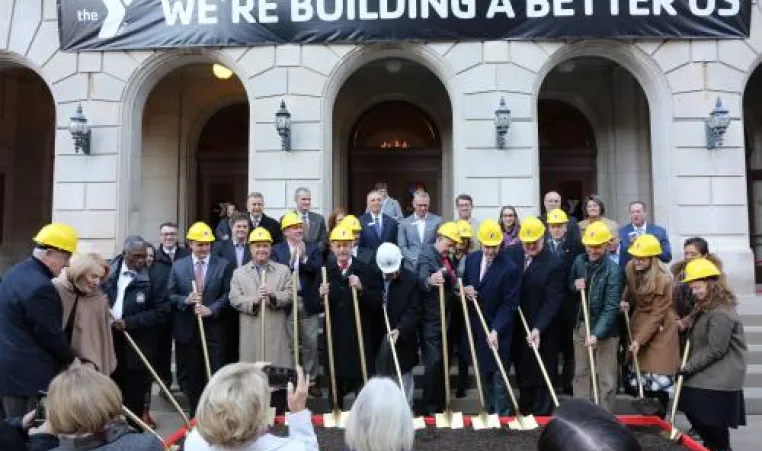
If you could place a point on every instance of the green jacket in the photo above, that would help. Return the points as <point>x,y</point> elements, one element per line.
<point>603,295</point>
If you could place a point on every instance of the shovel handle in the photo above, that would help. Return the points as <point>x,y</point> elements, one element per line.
<point>544,371</point>
<point>634,356</point>
<point>329,336</point>
<point>393,348</point>
<point>590,354</point>
<point>471,346</point>
<point>134,418</point>
<point>202,335</point>
<point>295,313</point>
<point>360,341</point>
<point>262,320</point>
<point>679,383</point>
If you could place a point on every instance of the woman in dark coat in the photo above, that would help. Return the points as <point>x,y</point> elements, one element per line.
<point>712,397</point>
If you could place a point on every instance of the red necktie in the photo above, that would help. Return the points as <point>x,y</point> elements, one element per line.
<point>448,266</point>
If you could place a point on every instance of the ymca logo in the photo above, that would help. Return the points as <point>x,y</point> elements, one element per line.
<point>116,10</point>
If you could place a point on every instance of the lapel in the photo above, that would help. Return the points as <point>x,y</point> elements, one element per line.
<point>211,267</point>
<point>492,268</point>
<point>189,270</point>
<point>413,229</point>
<point>534,264</point>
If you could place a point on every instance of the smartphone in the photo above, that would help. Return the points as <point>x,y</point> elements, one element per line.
<point>40,412</point>
<point>278,377</point>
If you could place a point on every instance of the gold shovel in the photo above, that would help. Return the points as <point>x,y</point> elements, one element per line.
<point>482,420</point>
<point>448,418</point>
<point>645,405</point>
<point>271,412</point>
<point>156,377</point>
<point>360,342</point>
<point>590,353</point>
<point>521,423</point>
<point>675,433</point>
<point>202,334</point>
<point>134,418</point>
<point>336,418</point>
<point>545,376</point>
<point>295,310</point>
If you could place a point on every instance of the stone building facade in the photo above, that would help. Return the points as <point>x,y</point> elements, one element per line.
<point>642,104</point>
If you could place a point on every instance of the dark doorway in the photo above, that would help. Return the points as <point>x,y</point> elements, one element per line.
<point>567,151</point>
<point>397,143</point>
<point>222,162</point>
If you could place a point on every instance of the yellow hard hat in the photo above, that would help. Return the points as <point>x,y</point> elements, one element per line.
<point>449,230</point>
<point>260,235</point>
<point>532,229</point>
<point>557,217</point>
<point>200,232</point>
<point>290,219</point>
<point>596,234</point>
<point>490,233</point>
<point>700,268</point>
<point>342,233</point>
<point>58,236</point>
<point>645,246</point>
<point>351,222</point>
<point>464,229</point>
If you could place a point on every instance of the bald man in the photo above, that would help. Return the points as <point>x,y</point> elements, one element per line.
<point>552,201</point>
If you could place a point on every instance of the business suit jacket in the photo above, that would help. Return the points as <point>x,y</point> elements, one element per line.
<point>404,309</point>
<point>309,272</point>
<point>498,296</point>
<point>410,242</point>
<point>572,228</point>
<point>542,296</point>
<point>226,250</point>
<point>144,310</point>
<point>391,208</point>
<point>270,224</point>
<point>368,236</point>
<point>215,297</point>
<point>652,229</point>
<point>316,232</point>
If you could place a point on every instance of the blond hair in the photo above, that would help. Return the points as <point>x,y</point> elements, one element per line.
<point>82,401</point>
<point>231,411</point>
<point>650,281</point>
<point>82,264</point>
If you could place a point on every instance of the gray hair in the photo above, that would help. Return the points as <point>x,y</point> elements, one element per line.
<point>380,419</point>
<point>301,190</point>
<point>133,243</point>
<point>255,194</point>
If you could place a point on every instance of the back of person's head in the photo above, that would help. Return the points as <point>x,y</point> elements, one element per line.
<point>579,425</point>
<point>380,419</point>
<point>82,401</point>
<point>231,411</point>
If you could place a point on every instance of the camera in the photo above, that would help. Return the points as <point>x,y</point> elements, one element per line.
<point>40,412</point>
<point>278,377</point>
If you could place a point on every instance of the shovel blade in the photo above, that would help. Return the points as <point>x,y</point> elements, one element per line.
<point>335,420</point>
<point>479,422</point>
<point>526,423</point>
<point>419,423</point>
<point>270,416</point>
<point>493,421</point>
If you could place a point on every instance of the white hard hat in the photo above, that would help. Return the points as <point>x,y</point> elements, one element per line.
<point>388,258</point>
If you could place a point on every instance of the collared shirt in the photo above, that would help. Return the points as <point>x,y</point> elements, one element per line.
<point>421,224</point>
<point>484,267</point>
<point>240,250</point>
<point>204,265</point>
<point>614,256</point>
<point>125,277</point>
<point>378,219</point>
<point>640,230</point>
<point>344,268</point>
<point>255,220</point>
<point>170,252</point>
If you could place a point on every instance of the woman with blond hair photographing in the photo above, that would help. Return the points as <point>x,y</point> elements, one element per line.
<point>232,413</point>
<point>85,412</point>
<point>655,342</point>
<point>86,311</point>
<point>712,397</point>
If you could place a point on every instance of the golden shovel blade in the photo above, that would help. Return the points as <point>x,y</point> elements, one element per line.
<point>451,420</point>
<point>270,416</point>
<point>335,419</point>
<point>479,422</point>
<point>526,423</point>
<point>419,423</point>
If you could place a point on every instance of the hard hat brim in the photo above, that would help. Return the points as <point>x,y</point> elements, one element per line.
<point>390,269</point>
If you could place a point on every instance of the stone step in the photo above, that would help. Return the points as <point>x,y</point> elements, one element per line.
<point>754,376</point>
<point>753,334</point>
<point>754,354</point>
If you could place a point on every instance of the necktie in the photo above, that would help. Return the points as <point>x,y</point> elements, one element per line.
<point>448,267</point>
<point>487,264</point>
<point>527,262</point>
<point>306,223</point>
<point>198,275</point>
<point>255,222</point>
<point>377,225</point>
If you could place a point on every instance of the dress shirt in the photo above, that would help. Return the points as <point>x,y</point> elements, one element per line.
<point>170,252</point>
<point>240,249</point>
<point>125,277</point>
<point>640,230</point>
<point>255,220</point>
<point>527,262</point>
<point>344,268</point>
<point>421,224</point>
<point>204,265</point>
<point>484,268</point>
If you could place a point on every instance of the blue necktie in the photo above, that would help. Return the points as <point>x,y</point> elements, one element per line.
<point>377,226</point>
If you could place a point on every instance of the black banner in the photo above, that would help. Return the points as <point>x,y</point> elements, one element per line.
<point>153,24</point>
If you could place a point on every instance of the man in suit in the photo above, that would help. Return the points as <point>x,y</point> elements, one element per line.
<point>255,205</point>
<point>138,306</point>
<point>304,259</point>
<point>313,223</point>
<point>199,285</point>
<point>542,293</point>
<point>379,227</point>
<point>417,230</point>
<point>492,280</point>
<point>551,201</point>
<point>435,269</point>
<point>639,226</point>
<point>566,250</point>
<point>389,205</point>
<point>362,253</point>
<point>166,253</point>
<point>235,250</point>
<point>464,205</point>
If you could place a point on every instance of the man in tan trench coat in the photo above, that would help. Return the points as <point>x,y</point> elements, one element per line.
<point>247,293</point>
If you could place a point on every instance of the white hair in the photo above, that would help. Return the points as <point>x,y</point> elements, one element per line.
<point>301,190</point>
<point>380,419</point>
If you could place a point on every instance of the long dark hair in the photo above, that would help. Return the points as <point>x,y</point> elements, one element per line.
<point>579,425</point>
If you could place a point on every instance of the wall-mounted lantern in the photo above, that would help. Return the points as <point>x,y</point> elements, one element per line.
<point>283,125</point>
<point>80,131</point>
<point>502,123</point>
<point>716,125</point>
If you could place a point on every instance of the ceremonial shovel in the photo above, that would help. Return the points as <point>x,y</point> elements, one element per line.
<point>521,423</point>
<point>202,334</point>
<point>360,342</point>
<point>675,433</point>
<point>134,418</point>
<point>645,406</point>
<point>336,418</point>
<point>590,354</point>
<point>483,420</point>
<point>270,413</point>
<point>545,376</point>
<point>448,418</point>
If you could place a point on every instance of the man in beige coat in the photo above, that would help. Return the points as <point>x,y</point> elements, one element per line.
<point>248,293</point>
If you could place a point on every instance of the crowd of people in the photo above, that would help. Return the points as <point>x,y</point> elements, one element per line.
<point>255,287</point>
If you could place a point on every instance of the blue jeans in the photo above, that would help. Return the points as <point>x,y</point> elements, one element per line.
<point>496,399</point>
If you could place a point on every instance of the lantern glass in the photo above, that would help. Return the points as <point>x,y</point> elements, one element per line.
<point>78,125</point>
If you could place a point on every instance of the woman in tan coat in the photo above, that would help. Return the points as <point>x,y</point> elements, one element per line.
<point>86,311</point>
<point>247,294</point>
<point>654,323</point>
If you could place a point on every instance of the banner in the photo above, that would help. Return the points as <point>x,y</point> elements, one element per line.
<point>154,24</point>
